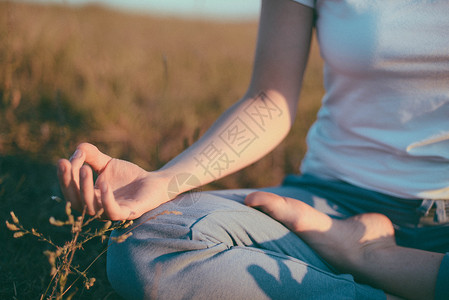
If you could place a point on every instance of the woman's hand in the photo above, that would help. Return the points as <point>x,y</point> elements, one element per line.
<point>122,190</point>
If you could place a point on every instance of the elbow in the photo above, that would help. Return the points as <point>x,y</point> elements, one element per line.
<point>271,107</point>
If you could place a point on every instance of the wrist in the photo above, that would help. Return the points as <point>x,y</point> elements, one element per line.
<point>175,183</point>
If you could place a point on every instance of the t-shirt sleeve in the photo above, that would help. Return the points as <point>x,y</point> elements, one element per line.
<point>310,3</point>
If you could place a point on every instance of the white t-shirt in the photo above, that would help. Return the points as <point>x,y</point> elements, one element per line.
<point>384,122</point>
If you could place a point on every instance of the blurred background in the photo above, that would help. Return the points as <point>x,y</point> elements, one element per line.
<point>230,10</point>
<point>142,80</point>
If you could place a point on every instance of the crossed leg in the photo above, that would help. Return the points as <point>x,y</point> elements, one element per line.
<point>363,245</point>
<point>218,248</point>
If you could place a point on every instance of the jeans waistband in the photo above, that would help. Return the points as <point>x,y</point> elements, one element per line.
<point>433,212</point>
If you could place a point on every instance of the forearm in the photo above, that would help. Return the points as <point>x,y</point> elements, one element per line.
<point>257,123</point>
<point>242,135</point>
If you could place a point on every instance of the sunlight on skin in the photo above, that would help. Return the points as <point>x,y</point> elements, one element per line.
<point>286,211</point>
<point>369,251</point>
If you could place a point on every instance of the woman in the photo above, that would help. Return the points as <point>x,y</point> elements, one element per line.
<point>358,216</point>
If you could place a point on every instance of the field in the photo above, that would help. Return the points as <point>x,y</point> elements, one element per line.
<point>141,88</point>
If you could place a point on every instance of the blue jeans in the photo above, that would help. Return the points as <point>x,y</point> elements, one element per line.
<point>221,249</point>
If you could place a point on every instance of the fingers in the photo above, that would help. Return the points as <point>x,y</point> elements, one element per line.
<point>76,181</point>
<point>87,189</point>
<point>264,201</point>
<point>97,201</point>
<point>286,210</point>
<point>69,178</point>
<point>68,185</point>
<point>255,198</point>
<point>111,208</point>
<point>76,161</point>
<point>94,157</point>
<point>293,213</point>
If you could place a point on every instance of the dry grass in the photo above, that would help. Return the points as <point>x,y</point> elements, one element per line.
<point>139,87</point>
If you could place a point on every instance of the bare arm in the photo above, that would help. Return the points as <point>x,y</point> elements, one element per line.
<point>243,134</point>
<point>262,118</point>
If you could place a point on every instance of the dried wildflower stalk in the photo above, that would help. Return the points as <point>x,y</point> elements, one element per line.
<point>61,258</point>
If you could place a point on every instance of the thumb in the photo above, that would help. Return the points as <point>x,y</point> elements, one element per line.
<point>94,157</point>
